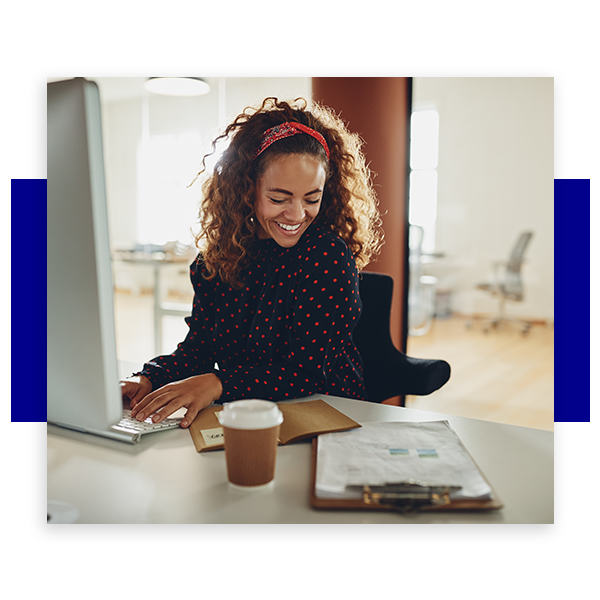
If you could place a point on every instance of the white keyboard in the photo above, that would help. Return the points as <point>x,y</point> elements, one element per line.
<point>130,425</point>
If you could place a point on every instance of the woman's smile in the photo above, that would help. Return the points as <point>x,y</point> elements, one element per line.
<point>288,227</point>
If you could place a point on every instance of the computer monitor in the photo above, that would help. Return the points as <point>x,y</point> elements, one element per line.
<point>83,382</point>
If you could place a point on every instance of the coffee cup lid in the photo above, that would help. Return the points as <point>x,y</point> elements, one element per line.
<point>251,414</point>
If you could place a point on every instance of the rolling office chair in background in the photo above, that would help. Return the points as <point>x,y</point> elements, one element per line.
<point>507,284</point>
<point>389,372</point>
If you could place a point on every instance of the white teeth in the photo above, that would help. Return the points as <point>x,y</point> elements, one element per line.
<point>288,227</point>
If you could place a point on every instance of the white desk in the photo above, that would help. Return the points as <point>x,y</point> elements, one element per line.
<point>164,480</point>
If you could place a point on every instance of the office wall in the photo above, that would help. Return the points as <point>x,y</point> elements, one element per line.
<point>496,170</point>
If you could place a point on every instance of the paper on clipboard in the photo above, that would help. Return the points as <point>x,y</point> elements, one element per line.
<point>393,452</point>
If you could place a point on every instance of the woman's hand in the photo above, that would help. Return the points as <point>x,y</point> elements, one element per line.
<point>135,389</point>
<point>194,393</point>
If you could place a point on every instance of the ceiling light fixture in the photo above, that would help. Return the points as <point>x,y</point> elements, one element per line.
<point>177,86</point>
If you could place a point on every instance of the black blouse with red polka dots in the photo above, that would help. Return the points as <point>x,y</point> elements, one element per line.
<point>287,333</point>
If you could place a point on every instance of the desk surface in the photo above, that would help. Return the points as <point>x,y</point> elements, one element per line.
<point>164,480</point>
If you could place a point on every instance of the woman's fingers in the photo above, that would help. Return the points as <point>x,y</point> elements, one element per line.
<point>190,415</point>
<point>164,407</point>
<point>150,404</point>
<point>135,389</point>
<point>161,404</point>
<point>194,393</point>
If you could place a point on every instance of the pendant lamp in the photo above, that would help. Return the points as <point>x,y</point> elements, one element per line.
<point>177,86</point>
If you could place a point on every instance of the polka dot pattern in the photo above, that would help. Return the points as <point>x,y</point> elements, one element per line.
<point>286,333</point>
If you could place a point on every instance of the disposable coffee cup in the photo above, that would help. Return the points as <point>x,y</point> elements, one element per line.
<point>251,430</point>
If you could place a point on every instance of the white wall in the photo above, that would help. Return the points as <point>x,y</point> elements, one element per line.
<point>496,173</point>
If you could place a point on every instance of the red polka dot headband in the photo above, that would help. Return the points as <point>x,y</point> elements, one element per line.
<point>286,130</point>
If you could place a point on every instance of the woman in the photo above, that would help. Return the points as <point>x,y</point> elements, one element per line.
<point>288,218</point>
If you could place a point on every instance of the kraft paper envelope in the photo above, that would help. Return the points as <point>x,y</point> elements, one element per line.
<point>301,420</point>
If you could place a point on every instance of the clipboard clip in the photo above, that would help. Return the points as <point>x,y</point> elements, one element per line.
<point>407,496</point>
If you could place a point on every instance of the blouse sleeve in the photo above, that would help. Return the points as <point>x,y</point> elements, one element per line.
<point>192,356</point>
<point>324,308</point>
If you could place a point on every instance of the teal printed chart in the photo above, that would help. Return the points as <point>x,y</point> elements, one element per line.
<point>421,452</point>
<point>427,453</point>
<point>399,451</point>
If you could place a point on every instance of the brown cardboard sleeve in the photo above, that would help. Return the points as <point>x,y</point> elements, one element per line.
<point>250,455</point>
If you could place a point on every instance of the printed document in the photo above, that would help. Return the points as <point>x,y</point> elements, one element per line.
<point>429,453</point>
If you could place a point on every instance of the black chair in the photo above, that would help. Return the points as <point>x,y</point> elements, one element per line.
<point>389,372</point>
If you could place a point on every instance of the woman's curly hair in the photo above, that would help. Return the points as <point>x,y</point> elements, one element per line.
<point>349,206</point>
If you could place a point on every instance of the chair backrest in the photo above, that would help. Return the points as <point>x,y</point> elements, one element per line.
<point>512,287</point>
<point>373,327</point>
<point>518,252</point>
<point>372,332</point>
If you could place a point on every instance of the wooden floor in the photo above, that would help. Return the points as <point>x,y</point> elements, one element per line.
<point>500,376</point>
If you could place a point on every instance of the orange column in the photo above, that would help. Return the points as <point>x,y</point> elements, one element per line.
<point>378,109</point>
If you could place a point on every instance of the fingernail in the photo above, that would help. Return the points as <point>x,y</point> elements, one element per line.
<point>140,417</point>
<point>184,423</point>
<point>156,418</point>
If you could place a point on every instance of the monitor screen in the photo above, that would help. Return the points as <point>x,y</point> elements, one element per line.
<point>83,383</point>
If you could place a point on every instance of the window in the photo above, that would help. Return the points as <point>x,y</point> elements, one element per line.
<point>424,147</point>
<point>167,208</point>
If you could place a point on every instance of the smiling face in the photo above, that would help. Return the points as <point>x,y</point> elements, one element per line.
<point>288,197</point>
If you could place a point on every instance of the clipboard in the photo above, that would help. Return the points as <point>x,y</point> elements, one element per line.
<point>412,497</point>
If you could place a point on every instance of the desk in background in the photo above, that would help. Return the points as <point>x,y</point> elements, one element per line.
<point>159,257</point>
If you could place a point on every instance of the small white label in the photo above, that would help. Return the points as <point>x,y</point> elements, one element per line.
<point>213,437</point>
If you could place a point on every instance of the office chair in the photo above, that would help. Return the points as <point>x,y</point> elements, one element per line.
<point>507,284</point>
<point>387,371</point>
